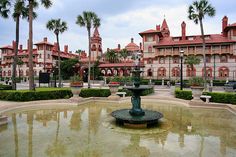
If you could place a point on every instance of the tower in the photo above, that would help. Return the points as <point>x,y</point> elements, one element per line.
<point>96,45</point>
<point>165,29</point>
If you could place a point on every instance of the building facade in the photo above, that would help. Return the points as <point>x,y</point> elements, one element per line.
<point>161,53</point>
<point>45,57</point>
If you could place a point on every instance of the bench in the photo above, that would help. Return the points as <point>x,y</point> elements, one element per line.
<point>121,93</point>
<point>207,97</point>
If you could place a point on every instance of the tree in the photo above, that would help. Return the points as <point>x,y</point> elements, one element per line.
<point>68,68</point>
<point>32,4</point>
<point>88,19</point>
<point>57,26</point>
<point>96,70</point>
<point>5,8</point>
<point>19,63</point>
<point>111,56</point>
<point>191,61</point>
<point>124,54</point>
<point>196,12</point>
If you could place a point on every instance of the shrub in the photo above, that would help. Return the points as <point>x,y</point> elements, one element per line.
<point>5,87</point>
<point>144,93</point>
<point>26,95</point>
<point>222,97</point>
<point>183,94</point>
<point>90,92</point>
<point>196,81</point>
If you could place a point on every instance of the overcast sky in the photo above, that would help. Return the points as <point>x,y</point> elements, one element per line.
<point>120,20</point>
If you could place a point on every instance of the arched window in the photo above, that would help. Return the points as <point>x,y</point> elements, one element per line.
<point>161,60</point>
<point>149,72</point>
<point>21,73</point>
<point>9,73</point>
<point>150,61</point>
<point>223,72</point>
<point>4,73</point>
<point>208,72</point>
<point>223,59</point>
<point>190,73</point>
<point>161,72</point>
<point>27,72</point>
<point>176,72</point>
<point>40,55</point>
<point>149,48</point>
<point>176,60</point>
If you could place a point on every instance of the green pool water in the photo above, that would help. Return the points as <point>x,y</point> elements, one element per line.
<point>88,130</point>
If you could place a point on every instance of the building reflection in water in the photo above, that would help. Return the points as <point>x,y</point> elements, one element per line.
<point>80,130</point>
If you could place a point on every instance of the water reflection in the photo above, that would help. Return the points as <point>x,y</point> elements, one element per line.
<point>78,132</point>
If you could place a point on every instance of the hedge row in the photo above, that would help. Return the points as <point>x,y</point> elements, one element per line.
<point>90,92</point>
<point>229,98</point>
<point>5,87</point>
<point>183,94</point>
<point>35,95</point>
<point>144,93</point>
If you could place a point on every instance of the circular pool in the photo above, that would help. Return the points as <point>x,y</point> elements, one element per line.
<point>88,130</point>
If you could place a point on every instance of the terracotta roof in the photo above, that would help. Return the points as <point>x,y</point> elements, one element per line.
<point>6,47</point>
<point>112,65</point>
<point>213,38</point>
<point>150,31</point>
<point>230,26</point>
<point>43,42</point>
<point>132,46</point>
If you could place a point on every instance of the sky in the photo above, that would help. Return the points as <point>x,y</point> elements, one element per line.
<point>121,20</point>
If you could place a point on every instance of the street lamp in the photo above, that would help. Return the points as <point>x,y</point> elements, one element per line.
<point>181,68</point>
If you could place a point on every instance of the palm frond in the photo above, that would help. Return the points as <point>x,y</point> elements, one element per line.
<point>46,3</point>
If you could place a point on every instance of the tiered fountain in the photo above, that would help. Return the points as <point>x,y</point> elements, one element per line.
<point>137,117</point>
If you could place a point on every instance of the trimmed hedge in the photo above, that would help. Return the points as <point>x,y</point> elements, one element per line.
<point>90,92</point>
<point>229,98</point>
<point>26,95</point>
<point>5,87</point>
<point>144,93</point>
<point>183,94</point>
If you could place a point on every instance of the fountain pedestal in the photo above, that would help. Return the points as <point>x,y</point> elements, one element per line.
<point>136,117</point>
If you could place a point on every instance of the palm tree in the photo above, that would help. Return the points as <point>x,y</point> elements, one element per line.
<point>124,54</point>
<point>196,12</point>
<point>111,56</point>
<point>19,63</point>
<point>32,5</point>
<point>191,61</point>
<point>4,8</point>
<point>20,10</point>
<point>88,19</point>
<point>57,26</point>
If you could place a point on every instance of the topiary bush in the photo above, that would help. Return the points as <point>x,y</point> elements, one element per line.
<point>183,94</point>
<point>26,95</point>
<point>90,92</point>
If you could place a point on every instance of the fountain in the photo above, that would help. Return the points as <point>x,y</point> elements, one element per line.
<point>137,117</point>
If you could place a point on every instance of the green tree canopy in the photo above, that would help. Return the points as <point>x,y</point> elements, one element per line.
<point>68,68</point>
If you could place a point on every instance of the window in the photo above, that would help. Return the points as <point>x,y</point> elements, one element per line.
<point>9,73</point>
<point>176,60</point>
<point>161,72</point>
<point>40,55</point>
<point>223,72</point>
<point>149,73</point>
<point>150,61</point>
<point>150,38</point>
<point>191,72</point>
<point>48,56</point>
<point>161,60</point>
<point>208,72</point>
<point>176,72</point>
<point>208,59</point>
<point>234,32</point>
<point>149,48</point>
<point>223,59</point>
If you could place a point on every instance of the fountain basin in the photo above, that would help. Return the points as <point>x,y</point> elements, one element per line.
<point>150,118</point>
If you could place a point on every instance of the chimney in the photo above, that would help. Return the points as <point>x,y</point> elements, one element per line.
<point>132,40</point>
<point>118,46</point>
<point>45,39</point>
<point>66,48</point>
<point>183,27</point>
<point>21,47</point>
<point>14,45</point>
<point>224,25</point>
<point>55,46</point>
<point>140,46</point>
<point>158,27</point>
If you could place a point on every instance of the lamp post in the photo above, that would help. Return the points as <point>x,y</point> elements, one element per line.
<point>181,68</point>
